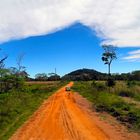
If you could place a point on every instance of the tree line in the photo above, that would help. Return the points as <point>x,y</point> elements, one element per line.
<point>46,77</point>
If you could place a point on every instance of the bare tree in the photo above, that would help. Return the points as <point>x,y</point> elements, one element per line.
<point>2,65</point>
<point>3,71</point>
<point>2,62</point>
<point>19,62</point>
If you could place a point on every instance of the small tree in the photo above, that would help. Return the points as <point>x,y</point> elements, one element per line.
<point>41,77</point>
<point>107,57</point>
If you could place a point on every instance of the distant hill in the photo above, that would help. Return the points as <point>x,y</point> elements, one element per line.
<point>84,75</point>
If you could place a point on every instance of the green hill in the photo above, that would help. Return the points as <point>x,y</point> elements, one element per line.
<point>84,75</point>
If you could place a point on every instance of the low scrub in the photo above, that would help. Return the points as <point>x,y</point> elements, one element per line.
<point>111,103</point>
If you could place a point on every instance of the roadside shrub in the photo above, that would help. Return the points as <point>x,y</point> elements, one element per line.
<point>110,82</point>
<point>131,83</point>
<point>10,82</point>
<point>98,85</point>
<point>93,83</point>
<point>126,93</point>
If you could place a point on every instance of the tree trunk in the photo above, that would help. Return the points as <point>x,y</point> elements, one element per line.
<point>109,76</point>
<point>109,69</point>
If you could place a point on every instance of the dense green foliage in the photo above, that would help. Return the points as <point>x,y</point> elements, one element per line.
<point>17,105</point>
<point>97,92</point>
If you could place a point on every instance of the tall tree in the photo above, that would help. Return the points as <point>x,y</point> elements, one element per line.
<point>109,55</point>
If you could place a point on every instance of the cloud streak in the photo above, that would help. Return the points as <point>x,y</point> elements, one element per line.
<point>133,56</point>
<point>116,22</point>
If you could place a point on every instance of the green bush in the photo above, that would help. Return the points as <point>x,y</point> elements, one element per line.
<point>98,85</point>
<point>110,82</point>
<point>131,83</point>
<point>126,93</point>
<point>9,82</point>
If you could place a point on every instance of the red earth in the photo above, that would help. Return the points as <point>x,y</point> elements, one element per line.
<point>66,116</point>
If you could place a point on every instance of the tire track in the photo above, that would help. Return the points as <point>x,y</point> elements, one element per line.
<point>68,124</point>
<point>60,118</point>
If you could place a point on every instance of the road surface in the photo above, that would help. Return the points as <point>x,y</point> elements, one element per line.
<point>60,118</point>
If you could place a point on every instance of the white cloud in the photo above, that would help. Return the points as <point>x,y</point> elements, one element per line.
<point>136,56</point>
<point>134,52</point>
<point>133,56</point>
<point>115,21</point>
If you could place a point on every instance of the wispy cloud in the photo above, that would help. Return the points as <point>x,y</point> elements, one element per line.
<point>133,56</point>
<point>115,21</point>
<point>134,52</point>
<point>136,56</point>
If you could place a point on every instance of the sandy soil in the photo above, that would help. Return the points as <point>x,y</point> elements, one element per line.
<point>67,116</point>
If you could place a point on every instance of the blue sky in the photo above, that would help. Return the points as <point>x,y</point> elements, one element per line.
<point>66,50</point>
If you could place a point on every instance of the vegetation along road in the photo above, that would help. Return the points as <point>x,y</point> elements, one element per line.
<point>64,117</point>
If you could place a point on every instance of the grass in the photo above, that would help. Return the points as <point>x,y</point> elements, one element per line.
<point>112,103</point>
<point>128,89</point>
<point>17,106</point>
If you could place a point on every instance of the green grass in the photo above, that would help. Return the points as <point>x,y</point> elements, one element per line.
<point>126,113</point>
<point>17,106</point>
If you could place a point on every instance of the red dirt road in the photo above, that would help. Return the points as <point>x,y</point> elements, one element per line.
<point>60,118</point>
